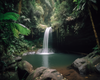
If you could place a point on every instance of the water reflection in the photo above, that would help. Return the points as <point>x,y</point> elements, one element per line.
<point>51,60</point>
<point>45,62</point>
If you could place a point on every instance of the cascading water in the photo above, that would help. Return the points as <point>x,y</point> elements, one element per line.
<point>45,50</point>
<point>46,40</point>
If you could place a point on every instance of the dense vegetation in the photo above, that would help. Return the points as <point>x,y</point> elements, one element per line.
<point>22,25</point>
<point>14,16</point>
<point>76,25</point>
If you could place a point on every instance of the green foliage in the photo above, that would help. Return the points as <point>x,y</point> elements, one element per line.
<point>75,0</point>
<point>59,14</point>
<point>30,43</point>
<point>48,3</point>
<point>22,29</point>
<point>16,46</point>
<point>36,43</point>
<point>80,4</point>
<point>10,32</point>
<point>32,11</point>
<point>39,9</point>
<point>96,49</point>
<point>15,27</point>
<point>33,3</point>
<point>9,16</point>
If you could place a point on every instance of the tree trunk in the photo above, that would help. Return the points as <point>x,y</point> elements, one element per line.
<point>19,7</point>
<point>95,33</point>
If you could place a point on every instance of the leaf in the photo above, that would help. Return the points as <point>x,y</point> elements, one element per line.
<point>48,3</point>
<point>19,29</point>
<point>95,48</point>
<point>22,29</point>
<point>9,16</point>
<point>14,30</point>
<point>74,0</point>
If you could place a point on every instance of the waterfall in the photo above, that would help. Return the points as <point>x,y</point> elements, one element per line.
<point>46,40</point>
<point>46,43</point>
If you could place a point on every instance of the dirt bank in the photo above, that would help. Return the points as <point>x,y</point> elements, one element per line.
<point>72,74</point>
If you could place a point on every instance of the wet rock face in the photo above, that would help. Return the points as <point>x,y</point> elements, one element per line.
<point>24,69</point>
<point>91,62</point>
<point>26,72</point>
<point>24,65</point>
<point>43,73</point>
<point>80,64</point>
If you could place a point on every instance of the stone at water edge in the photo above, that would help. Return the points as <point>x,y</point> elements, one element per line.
<point>80,64</point>
<point>28,53</point>
<point>39,51</point>
<point>24,54</point>
<point>24,65</point>
<point>92,60</point>
<point>43,73</point>
<point>98,67</point>
<point>24,69</point>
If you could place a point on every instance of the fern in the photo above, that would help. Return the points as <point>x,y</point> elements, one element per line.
<point>14,27</point>
<point>95,48</point>
<point>14,30</point>
<point>77,2</point>
<point>9,16</point>
<point>19,29</point>
<point>74,0</point>
<point>22,29</point>
<point>48,3</point>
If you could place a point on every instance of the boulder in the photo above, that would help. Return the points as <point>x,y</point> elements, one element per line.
<point>24,65</point>
<point>24,69</point>
<point>18,58</point>
<point>97,67</point>
<point>89,63</point>
<point>80,64</point>
<point>43,73</point>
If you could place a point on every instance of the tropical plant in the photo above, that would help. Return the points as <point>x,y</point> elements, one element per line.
<point>79,4</point>
<point>11,33</point>
<point>9,19</point>
<point>95,33</point>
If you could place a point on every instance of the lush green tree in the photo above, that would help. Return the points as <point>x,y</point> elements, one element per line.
<point>11,31</point>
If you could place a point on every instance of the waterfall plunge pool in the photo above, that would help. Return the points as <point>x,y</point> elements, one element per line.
<point>51,60</point>
<point>47,58</point>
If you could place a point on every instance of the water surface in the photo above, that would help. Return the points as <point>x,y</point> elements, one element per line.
<point>51,60</point>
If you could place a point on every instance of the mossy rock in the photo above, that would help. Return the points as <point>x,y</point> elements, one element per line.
<point>43,73</point>
<point>24,65</point>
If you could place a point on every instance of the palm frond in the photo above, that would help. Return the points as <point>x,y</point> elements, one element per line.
<point>22,29</point>
<point>14,30</point>
<point>9,16</point>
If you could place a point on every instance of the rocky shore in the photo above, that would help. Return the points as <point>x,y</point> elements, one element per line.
<point>86,68</point>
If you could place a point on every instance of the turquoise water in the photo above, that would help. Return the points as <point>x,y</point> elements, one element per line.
<point>51,60</point>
